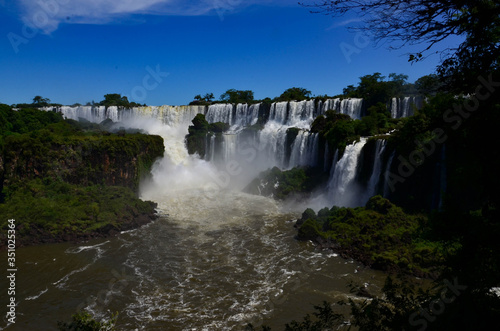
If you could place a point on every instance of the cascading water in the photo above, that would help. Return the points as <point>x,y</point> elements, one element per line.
<point>387,173</point>
<point>343,189</point>
<point>221,259</point>
<point>351,107</point>
<point>305,150</point>
<point>246,115</point>
<point>404,107</point>
<point>371,190</point>
<point>220,113</point>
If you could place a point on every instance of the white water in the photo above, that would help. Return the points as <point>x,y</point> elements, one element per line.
<point>305,150</point>
<point>343,189</point>
<point>377,169</point>
<point>246,157</point>
<point>221,258</point>
<point>404,107</point>
<point>220,113</point>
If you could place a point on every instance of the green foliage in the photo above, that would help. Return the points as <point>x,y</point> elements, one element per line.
<point>237,96</point>
<point>325,319</point>
<point>115,99</point>
<point>65,151</point>
<point>199,133</point>
<point>48,210</point>
<point>218,127</point>
<point>52,174</point>
<point>428,85</point>
<point>41,102</point>
<point>340,134</point>
<point>25,120</point>
<point>83,321</point>
<point>282,184</point>
<point>340,130</point>
<point>202,100</point>
<point>380,235</point>
<point>200,123</point>
<point>294,94</point>
<point>374,89</point>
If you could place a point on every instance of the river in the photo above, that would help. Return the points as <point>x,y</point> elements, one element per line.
<point>216,258</point>
<point>228,262</point>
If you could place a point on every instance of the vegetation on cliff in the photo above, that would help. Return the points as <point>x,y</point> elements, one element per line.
<point>196,140</point>
<point>285,184</point>
<point>65,180</point>
<point>380,235</point>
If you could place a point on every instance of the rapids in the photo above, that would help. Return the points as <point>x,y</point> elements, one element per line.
<point>216,259</point>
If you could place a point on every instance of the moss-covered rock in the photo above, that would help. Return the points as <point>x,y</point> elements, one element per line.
<point>197,140</point>
<point>283,184</point>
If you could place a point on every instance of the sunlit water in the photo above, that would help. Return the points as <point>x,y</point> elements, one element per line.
<point>216,259</point>
<point>227,262</point>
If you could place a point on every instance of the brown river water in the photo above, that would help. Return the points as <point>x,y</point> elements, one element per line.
<point>216,263</point>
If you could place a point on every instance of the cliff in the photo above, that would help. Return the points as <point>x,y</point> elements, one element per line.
<point>67,181</point>
<point>101,158</point>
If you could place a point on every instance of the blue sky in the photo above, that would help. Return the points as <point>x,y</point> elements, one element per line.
<point>166,51</point>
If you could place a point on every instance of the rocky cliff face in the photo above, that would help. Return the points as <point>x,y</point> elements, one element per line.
<point>109,159</point>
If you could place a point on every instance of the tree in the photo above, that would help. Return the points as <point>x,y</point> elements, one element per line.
<point>115,99</point>
<point>295,93</point>
<point>237,96</point>
<point>41,102</point>
<point>428,85</point>
<point>427,23</point>
<point>208,97</point>
<point>203,100</point>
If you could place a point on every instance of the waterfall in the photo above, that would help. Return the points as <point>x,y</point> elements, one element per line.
<point>332,169</point>
<point>394,107</point>
<point>333,104</point>
<point>272,140</point>
<point>278,112</point>
<point>210,148</point>
<point>342,185</point>
<point>352,107</point>
<point>377,169</point>
<point>304,150</point>
<point>404,107</point>
<point>269,144</point>
<point>170,115</point>
<point>222,112</point>
<point>229,147</point>
<point>386,174</point>
<point>326,157</point>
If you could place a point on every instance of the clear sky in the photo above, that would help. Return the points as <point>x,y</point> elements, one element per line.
<point>166,51</point>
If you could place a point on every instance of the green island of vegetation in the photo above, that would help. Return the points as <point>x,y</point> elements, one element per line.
<point>62,180</point>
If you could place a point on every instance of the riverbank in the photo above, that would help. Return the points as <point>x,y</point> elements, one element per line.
<point>379,235</point>
<point>62,212</point>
